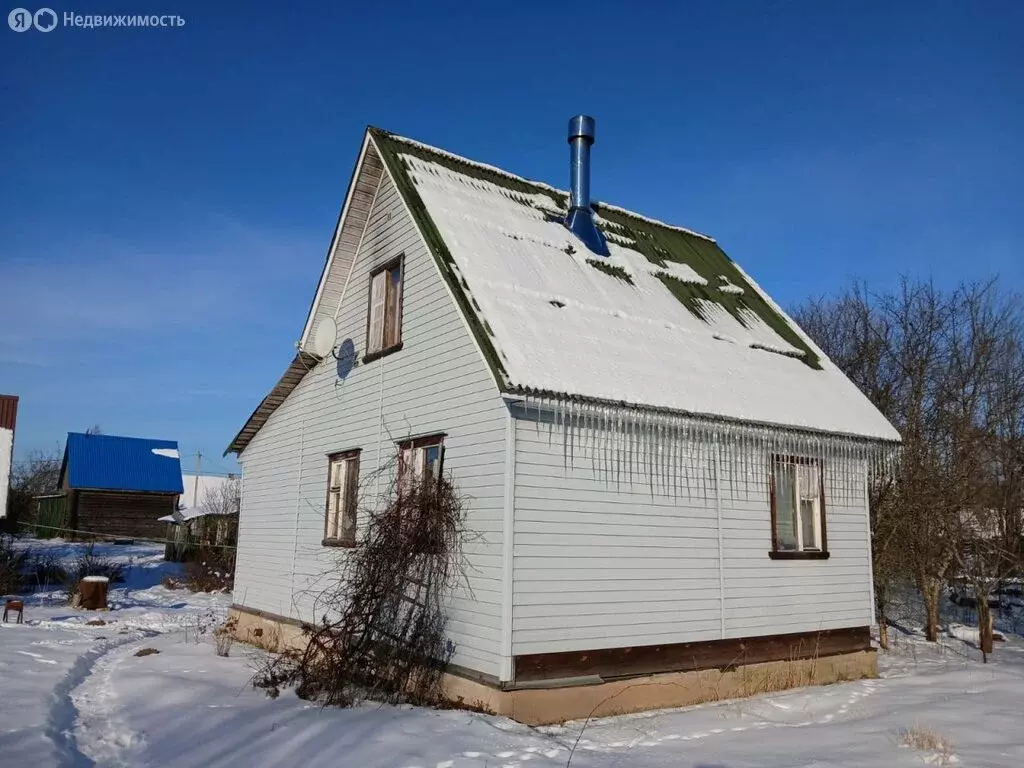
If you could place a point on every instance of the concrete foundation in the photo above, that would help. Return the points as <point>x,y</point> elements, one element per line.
<point>536,705</point>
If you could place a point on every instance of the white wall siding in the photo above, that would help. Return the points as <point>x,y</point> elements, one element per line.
<point>766,596</point>
<point>603,560</point>
<point>438,382</point>
<point>6,450</point>
<point>601,563</point>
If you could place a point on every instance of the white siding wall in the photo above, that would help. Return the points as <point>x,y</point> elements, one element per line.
<point>764,596</point>
<point>438,382</point>
<point>6,448</point>
<point>601,563</point>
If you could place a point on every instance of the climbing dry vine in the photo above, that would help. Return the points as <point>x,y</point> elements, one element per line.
<point>382,633</point>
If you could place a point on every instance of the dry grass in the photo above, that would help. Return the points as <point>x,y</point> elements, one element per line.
<point>224,636</point>
<point>924,739</point>
<point>146,651</point>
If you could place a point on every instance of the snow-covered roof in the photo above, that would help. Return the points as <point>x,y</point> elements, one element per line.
<point>668,321</point>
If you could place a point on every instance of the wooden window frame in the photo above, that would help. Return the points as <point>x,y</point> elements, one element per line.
<point>350,455</point>
<point>412,444</point>
<point>371,355</point>
<point>804,554</point>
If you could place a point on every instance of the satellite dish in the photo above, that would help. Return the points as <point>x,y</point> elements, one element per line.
<point>324,337</point>
<point>346,358</point>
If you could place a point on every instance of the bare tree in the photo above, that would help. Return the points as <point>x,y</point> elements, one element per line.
<point>36,475</point>
<point>223,498</point>
<point>945,367</point>
<point>859,340</point>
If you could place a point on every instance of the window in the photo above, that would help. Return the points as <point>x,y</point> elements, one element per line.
<point>342,496</point>
<point>419,460</point>
<point>798,508</point>
<point>384,330</point>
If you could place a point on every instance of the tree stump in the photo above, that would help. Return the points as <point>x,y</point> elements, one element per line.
<point>92,592</point>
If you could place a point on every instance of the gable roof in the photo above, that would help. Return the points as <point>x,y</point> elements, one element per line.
<point>111,463</point>
<point>668,321</point>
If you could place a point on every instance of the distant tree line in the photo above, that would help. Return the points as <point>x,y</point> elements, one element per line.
<point>38,474</point>
<point>946,367</point>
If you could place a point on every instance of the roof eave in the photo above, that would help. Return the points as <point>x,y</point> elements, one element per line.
<point>301,364</point>
<point>522,391</point>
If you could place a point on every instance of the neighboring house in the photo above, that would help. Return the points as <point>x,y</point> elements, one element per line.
<point>191,529</point>
<point>664,474</point>
<point>8,420</point>
<point>119,486</point>
<point>197,488</point>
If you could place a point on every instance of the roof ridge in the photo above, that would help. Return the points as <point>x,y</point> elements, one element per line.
<point>124,437</point>
<point>542,185</point>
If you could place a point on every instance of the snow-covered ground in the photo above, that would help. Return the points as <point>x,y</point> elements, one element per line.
<point>78,695</point>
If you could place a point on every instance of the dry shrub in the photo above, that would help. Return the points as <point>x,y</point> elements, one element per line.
<point>926,740</point>
<point>212,570</point>
<point>173,582</point>
<point>48,570</point>
<point>382,635</point>
<point>224,637</point>
<point>88,563</point>
<point>146,651</point>
<point>12,565</point>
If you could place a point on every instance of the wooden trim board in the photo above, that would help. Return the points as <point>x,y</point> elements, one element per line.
<point>616,663</point>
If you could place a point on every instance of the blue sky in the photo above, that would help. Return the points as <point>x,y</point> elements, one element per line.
<point>167,196</point>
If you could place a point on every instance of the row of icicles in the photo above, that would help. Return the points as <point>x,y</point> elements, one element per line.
<point>693,456</point>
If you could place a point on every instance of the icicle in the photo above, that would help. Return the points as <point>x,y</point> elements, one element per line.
<point>675,457</point>
<point>702,457</point>
<point>615,416</point>
<point>688,449</point>
<point>631,451</point>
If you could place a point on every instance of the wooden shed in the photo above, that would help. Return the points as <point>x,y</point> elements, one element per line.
<point>119,486</point>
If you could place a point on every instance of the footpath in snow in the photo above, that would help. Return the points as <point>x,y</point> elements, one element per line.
<point>78,695</point>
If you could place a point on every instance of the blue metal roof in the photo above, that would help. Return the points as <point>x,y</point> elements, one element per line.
<point>115,463</point>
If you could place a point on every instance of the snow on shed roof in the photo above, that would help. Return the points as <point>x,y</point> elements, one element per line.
<point>109,462</point>
<point>667,321</point>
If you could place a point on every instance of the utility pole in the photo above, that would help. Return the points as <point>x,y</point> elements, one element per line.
<point>195,484</point>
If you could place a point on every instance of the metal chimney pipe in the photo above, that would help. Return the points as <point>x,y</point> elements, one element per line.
<point>581,136</point>
<point>581,218</point>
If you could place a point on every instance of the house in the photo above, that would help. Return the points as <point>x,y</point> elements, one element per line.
<point>666,477</point>
<point>198,488</point>
<point>119,486</point>
<point>8,420</point>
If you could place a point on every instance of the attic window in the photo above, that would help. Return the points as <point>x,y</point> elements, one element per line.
<point>384,326</point>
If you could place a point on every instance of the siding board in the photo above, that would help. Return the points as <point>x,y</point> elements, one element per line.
<point>437,382</point>
<point>604,561</point>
